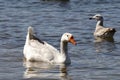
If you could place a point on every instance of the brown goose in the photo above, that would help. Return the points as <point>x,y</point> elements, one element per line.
<point>100,30</point>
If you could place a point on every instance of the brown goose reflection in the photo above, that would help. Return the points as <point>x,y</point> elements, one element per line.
<point>99,39</point>
<point>104,44</point>
<point>41,70</point>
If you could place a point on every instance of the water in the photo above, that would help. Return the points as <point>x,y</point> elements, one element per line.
<point>51,18</point>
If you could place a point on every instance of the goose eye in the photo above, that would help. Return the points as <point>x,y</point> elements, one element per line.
<point>67,35</point>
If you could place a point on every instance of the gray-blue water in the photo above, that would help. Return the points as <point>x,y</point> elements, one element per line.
<point>51,18</point>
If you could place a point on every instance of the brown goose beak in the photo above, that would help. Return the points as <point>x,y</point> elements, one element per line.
<point>90,18</point>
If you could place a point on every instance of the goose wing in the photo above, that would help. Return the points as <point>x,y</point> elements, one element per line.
<point>105,32</point>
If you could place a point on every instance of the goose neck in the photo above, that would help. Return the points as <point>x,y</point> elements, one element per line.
<point>63,47</point>
<point>99,23</point>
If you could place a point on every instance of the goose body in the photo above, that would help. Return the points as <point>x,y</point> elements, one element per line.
<point>100,30</point>
<point>37,50</point>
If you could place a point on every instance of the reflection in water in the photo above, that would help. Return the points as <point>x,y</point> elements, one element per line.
<point>57,0</point>
<point>104,44</point>
<point>63,72</point>
<point>46,71</point>
<point>98,39</point>
<point>62,3</point>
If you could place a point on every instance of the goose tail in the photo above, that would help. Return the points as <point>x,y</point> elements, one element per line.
<point>113,30</point>
<point>29,34</point>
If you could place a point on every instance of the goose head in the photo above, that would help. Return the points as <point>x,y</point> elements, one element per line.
<point>68,37</point>
<point>97,17</point>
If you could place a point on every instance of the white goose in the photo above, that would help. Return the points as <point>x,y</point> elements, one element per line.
<point>37,50</point>
<point>100,30</point>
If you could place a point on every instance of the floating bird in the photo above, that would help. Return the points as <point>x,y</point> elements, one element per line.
<point>100,30</point>
<point>37,50</point>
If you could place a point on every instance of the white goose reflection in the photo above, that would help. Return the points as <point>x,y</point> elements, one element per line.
<point>46,71</point>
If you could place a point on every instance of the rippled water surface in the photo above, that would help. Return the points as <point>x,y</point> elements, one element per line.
<point>91,60</point>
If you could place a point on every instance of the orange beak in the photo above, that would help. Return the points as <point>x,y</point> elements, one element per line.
<point>72,40</point>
